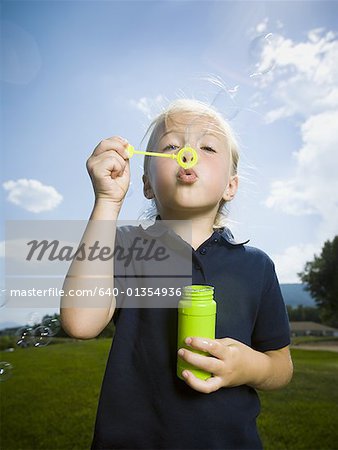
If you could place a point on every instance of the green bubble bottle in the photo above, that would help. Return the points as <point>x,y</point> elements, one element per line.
<point>196,317</point>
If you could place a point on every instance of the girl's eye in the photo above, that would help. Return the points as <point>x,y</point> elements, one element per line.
<point>208,149</point>
<point>170,147</point>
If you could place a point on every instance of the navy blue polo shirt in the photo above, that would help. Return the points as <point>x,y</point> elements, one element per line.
<point>143,404</point>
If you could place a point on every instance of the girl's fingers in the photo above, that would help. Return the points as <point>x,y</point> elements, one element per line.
<point>110,159</point>
<point>110,165</point>
<point>212,384</point>
<point>109,155</point>
<point>212,346</point>
<point>207,363</point>
<point>116,143</point>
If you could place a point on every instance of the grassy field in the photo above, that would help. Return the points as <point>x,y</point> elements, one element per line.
<point>50,401</point>
<point>304,414</point>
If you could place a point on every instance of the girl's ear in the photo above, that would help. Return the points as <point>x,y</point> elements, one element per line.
<point>231,189</point>
<point>147,190</point>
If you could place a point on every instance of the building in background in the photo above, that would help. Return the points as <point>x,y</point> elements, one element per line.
<point>311,329</point>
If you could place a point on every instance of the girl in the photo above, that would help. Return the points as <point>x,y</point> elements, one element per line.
<point>143,404</point>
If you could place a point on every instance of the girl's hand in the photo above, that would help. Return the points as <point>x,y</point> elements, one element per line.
<point>109,170</point>
<point>227,363</point>
<point>233,363</point>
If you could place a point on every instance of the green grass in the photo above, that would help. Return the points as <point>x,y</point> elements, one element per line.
<point>304,414</point>
<point>50,401</point>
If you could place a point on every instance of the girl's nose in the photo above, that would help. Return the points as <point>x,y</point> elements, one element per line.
<point>187,155</point>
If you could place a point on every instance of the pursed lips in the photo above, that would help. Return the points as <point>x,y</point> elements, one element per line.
<point>187,175</point>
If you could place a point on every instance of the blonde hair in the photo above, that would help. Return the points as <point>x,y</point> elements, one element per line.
<point>196,110</point>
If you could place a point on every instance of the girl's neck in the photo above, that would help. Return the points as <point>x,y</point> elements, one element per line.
<point>194,229</point>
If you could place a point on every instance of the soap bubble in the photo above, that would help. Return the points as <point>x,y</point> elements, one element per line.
<point>227,103</point>
<point>24,337</point>
<point>6,370</point>
<point>262,55</point>
<point>233,91</point>
<point>42,336</point>
<point>33,319</point>
<point>53,324</point>
<point>20,53</point>
<point>225,97</point>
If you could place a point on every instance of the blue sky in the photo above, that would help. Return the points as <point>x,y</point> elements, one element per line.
<point>77,72</point>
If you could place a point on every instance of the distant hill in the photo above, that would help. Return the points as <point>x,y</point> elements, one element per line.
<point>295,294</point>
<point>4,325</point>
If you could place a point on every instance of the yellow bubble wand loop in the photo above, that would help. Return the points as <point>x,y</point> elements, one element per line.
<point>180,156</point>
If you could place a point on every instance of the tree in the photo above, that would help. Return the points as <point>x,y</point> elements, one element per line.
<point>320,277</point>
<point>303,314</point>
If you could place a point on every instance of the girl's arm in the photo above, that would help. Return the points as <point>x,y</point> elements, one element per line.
<point>276,372</point>
<point>233,363</point>
<point>85,316</point>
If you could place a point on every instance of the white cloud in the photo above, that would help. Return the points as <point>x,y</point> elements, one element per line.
<point>278,113</point>
<point>148,106</point>
<point>292,261</point>
<point>32,195</point>
<point>313,189</point>
<point>304,84</point>
<point>303,76</point>
<point>288,197</point>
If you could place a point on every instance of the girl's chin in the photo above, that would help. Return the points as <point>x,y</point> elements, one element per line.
<point>188,207</point>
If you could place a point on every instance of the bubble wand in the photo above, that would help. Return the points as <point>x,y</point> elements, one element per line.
<point>180,156</point>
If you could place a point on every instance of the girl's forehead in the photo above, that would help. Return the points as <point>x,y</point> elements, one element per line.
<point>191,123</point>
<point>188,120</point>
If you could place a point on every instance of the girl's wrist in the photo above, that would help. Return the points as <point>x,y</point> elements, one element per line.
<point>259,369</point>
<point>105,209</point>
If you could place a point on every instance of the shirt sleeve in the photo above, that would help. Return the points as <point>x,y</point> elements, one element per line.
<point>271,329</point>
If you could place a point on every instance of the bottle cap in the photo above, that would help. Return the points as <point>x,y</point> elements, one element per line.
<point>197,300</point>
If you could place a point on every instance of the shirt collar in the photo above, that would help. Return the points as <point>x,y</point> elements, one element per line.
<point>229,238</point>
<point>157,229</point>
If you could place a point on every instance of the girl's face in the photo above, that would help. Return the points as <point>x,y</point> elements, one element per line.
<point>200,188</point>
